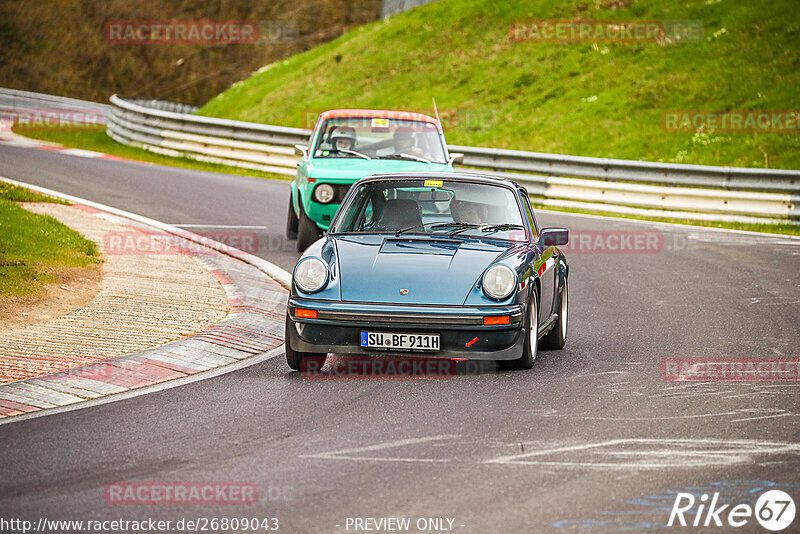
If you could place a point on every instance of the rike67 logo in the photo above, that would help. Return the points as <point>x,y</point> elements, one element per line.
<point>774,510</point>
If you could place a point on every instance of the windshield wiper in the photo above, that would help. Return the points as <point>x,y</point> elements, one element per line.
<point>397,233</point>
<point>463,227</point>
<point>486,228</point>
<point>501,227</point>
<point>353,152</point>
<point>460,227</point>
<point>406,156</point>
<point>452,225</point>
<point>411,156</point>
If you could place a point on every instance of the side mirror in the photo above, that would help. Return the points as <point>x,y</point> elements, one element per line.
<point>456,157</point>
<point>300,150</point>
<point>549,237</point>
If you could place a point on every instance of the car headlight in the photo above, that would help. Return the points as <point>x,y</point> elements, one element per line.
<point>323,193</point>
<point>310,275</point>
<point>499,282</point>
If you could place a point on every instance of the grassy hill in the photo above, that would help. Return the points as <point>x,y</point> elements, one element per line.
<point>576,98</point>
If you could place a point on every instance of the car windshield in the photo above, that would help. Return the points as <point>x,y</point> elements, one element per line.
<point>379,138</point>
<point>433,206</point>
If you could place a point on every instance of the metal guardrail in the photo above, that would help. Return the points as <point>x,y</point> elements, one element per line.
<point>14,99</point>
<point>649,188</point>
<point>673,174</point>
<point>632,187</point>
<point>207,126</point>
<point>164,105</point>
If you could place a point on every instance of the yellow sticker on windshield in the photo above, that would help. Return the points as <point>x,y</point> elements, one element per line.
<point>433,183</point>
<point>378,122</point>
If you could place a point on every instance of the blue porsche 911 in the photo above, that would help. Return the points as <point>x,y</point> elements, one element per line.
<point>443,265</point>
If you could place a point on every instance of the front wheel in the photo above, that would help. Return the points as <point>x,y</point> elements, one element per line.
<point>291,221</point>
<point>556,338</point>
<point>307,231</point>
<point>531,345</point>
<point>302,361</point>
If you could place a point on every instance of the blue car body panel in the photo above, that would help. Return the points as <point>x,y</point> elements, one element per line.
<point>441,282</point>
<point>434,271</point>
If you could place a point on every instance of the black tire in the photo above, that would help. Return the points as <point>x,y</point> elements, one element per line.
<point>556,338</point>
<point>291,221</point>
<point>307,230</point>
<point>531,345</point>
<point>299,361</point>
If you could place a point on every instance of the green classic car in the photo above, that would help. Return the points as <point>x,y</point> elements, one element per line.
<point>349,144</point>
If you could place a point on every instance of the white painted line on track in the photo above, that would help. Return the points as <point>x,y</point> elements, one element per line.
<point>129,394</point>
<point>345,454</point>
<point>760,417</point>
<point>82,153</point>
<point>652,454</point>
<point>256,227</point>
<point>766,413</point>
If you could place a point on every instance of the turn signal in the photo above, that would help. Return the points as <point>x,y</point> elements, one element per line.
<point>496,319</point>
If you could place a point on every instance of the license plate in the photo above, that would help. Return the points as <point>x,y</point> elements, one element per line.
<point>389,340</point>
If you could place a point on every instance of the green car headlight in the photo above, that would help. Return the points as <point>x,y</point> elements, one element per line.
<point>323,193</point>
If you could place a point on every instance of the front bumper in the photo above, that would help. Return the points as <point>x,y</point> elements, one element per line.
<point>338,328</point>
<point>322,214</point>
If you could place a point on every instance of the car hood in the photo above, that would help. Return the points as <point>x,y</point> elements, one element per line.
<point>350,169</point>
<point>375,268</point>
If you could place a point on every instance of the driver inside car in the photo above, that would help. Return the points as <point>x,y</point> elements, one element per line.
<point>469,212</point>
<point>343,139</point>
<point>404,143</point>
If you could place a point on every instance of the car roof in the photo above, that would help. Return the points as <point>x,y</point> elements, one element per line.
<point>377,113</point>
<point>457,176</point>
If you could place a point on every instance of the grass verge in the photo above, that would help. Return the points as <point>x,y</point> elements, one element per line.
<point>16,193</point>
<point>99,141</point>
<point>36,249</point>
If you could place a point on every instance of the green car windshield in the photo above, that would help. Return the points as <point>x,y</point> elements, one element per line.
<point>379,138</point>
<point>433,207</point>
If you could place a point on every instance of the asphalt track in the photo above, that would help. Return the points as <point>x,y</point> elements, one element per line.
<point>592,439</point>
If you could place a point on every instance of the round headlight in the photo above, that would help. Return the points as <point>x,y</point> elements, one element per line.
<point>323,193</point>
<point>310,275</point>
<point>499,282</point>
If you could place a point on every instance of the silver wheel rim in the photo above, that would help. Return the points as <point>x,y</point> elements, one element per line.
<point>564,309</point>
<point>533,326</point>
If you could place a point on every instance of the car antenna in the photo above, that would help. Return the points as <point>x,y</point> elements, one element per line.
<point>437,113</point>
